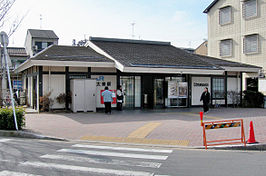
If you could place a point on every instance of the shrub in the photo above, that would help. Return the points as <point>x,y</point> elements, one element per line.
<point>7,118</point>
<point>46,102</point>
<point>61,98</point>
<point>253,99</point>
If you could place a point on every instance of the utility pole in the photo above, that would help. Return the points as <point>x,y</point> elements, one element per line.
<point>4,43</point>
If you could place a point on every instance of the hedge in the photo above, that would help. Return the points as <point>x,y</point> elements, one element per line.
<point>7,118</point>
<point>253,99</point>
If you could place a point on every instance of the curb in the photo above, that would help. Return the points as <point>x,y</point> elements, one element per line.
<point>254,147</point>
<point>24,134</point>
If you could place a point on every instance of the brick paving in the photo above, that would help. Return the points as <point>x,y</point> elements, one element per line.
<point>181,126</point>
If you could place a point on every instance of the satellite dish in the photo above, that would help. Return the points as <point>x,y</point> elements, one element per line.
<point>4,38</point>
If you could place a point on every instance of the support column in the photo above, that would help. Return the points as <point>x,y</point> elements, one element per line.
<point>89,72</point>
<point>241,88</point>
<point>67,82</point>
<point>225,88</point>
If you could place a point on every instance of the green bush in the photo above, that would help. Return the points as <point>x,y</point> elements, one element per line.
<point>7,118</point>
<point>253,99</point>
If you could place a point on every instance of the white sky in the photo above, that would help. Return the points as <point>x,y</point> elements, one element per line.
<point>178,21</point>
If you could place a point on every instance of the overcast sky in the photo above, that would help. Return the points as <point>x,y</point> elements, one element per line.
<point>178,21</point>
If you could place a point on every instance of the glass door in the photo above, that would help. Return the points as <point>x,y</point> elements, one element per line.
<point>128,83</point>
<point>158,93</point>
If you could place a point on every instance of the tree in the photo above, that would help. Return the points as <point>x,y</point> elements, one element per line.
<point>5,20</point>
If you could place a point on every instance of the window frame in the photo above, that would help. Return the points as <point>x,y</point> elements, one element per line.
<point>244,44</point>
<point>231,47</point>
<point>231,16</point>
<point>244,10</point>
<point>213,89</point>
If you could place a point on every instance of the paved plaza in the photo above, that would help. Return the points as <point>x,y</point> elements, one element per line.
<point>179,127</point>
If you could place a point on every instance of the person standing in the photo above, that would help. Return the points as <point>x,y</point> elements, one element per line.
<point>120,98</point>
<point>107,99</point>
<point>205,97</point>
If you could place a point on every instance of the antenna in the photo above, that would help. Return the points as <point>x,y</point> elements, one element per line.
<point>133,24</point>
<point>40,21</point>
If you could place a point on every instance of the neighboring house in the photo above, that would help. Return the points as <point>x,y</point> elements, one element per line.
<point>237,32</point>
<point>17,56</point>
<point>37,40</point>
<point>153,74</point>
<point>202,49</point>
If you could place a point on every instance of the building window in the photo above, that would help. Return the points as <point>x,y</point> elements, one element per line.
<point>218,88</point>
<point>249,9</point>
<point>225,15</point>
<point>251,43</point>
<point>226,47</point>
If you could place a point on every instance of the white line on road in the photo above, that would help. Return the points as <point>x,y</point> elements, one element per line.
<point>115,154</point>
<point>86,169</point>
<point>122,148</point>
<point>102,161</point>
<point>5,140</point>
<point>11,173</point>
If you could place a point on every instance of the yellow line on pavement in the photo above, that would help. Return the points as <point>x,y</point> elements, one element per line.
<point>137,140</point>
<point>204,116</point>
<point>143,131</point>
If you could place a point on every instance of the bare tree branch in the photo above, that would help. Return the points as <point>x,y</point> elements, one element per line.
<point>5,6</point>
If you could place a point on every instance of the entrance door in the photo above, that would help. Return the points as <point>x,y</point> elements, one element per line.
<point>158,93</point>
<point>128,87</point>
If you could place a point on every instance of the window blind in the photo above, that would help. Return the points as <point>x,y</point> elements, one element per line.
<point>225,15</point>
<point>226,47</point>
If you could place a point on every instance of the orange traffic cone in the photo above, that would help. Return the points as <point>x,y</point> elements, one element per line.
<point>251,139</point>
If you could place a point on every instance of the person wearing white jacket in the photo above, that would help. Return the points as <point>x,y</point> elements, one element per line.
<point>120,98</point>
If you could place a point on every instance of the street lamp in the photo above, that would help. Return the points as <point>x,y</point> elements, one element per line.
<point>4,43</point>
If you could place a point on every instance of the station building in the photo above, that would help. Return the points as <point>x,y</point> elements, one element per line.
<point>153,74</point>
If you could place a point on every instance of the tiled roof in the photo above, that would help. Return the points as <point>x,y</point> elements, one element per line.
<point>37,33</point>
<point>225,63</point>
<point>15,51</point>
<point>158,55</point>
<point>70,53</point>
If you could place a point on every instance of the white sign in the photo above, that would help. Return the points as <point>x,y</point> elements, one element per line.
<point>172,89</point>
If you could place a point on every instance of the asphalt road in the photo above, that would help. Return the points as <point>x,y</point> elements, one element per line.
<point>30,157</point>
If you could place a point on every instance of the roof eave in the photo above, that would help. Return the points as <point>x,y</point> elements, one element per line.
<point>173,71</point>
<point>242,69</point>
<point>210,6</point>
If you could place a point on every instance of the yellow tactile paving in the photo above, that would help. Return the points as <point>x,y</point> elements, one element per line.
<point>143,131</point>
<point>204,116</point>
<point>136,140</point>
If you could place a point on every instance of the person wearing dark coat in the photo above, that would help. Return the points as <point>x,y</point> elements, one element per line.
<point>205,97</point>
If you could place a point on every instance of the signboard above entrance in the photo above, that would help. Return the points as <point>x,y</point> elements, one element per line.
<point>198,84</point>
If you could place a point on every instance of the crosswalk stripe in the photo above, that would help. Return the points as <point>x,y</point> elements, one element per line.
<point>115,154</point>
<point>11,173</point>
<point>5,140</point>
<point>102,161</point>
<point>86,169</point>
<point>122,148</point>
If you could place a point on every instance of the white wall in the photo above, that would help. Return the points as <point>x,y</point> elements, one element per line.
<point>99,87</point>
<point>262,85</point>
<point>57,86</point>
<point>197,90</point>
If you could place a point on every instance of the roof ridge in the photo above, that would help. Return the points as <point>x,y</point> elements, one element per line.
<point>129,41</point>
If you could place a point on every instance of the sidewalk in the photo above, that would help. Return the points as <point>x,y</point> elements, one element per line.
<point>161,127</point>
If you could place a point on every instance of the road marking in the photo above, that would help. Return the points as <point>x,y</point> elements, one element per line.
<point>122,148</point>
<point>143,131</point>
<point>136,140</point>
<point>86,169</point>
<point>115,154</point>
<point>11,173</point>
<point>102,161</point>
<point>5,140</point>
